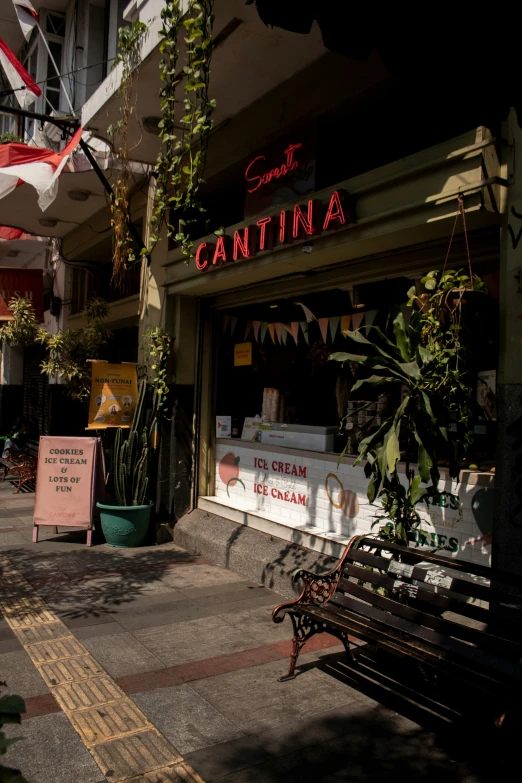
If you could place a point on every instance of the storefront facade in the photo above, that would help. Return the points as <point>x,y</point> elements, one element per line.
<point>301,245</point>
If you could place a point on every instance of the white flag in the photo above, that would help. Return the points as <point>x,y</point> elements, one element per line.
<point>25,89</point>
<point>27,16</point>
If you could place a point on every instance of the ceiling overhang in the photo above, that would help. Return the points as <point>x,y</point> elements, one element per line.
<point>249,61</point>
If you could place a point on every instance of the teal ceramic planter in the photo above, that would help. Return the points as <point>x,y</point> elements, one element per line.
<point>125,526</point>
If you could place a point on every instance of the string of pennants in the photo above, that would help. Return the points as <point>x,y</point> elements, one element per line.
<point>279,332</point>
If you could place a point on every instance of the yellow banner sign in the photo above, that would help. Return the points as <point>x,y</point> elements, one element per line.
<point>242,354</point>
<point>114,392</point>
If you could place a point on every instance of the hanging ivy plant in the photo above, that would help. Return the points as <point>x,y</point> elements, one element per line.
<point>184,138</point>
<point>129,43</point>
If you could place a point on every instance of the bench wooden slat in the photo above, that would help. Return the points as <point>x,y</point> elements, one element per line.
<point>461,587</point>
<point>478,656</point>
<point>504,622</point>
<point>502,647</point>
<point>367,629</point>
<point>487,572</point>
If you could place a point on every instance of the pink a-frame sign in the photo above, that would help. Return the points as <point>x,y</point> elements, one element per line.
<point>69,472</point>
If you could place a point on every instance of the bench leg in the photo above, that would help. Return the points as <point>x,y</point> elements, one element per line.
<point>35,534</point>
<point>89,538</point>
<point>304,629</point>
<point>344,638</point>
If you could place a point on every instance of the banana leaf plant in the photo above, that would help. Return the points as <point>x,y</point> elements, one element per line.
<point>429,418</point>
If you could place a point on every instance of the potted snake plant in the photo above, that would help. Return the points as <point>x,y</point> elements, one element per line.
<point>126,522</point>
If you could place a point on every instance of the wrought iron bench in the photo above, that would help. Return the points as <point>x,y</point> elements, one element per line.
<point>466,622</point>
<point>20,467</point>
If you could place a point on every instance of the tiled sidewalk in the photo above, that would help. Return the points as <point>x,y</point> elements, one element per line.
<point>192,645</point>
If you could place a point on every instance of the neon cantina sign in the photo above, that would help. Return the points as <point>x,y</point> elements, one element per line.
<point>288,226</point>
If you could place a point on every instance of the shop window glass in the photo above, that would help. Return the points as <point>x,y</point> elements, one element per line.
<point>308,393</point>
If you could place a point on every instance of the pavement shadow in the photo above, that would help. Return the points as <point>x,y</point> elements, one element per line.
<point>451,731</point>
<point>291,557</point>
<point>95,583</point>
<point>382,735</point>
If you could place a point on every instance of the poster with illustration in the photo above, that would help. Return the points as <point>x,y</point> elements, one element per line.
<point>114,391</point>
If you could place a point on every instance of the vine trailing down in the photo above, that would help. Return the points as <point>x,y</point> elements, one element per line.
<point>429,363</point>
<point>156,345</point>
<point>181,161</point>
<point>129,42</point>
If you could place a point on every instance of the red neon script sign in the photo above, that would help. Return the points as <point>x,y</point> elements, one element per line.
<point>258,180</point>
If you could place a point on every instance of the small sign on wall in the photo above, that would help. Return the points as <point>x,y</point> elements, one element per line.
<point>114,392</point>
<point>242,354</point>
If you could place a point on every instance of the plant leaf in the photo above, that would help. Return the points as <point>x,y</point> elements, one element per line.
<point>377,380</point>
<point>411,369</point>
<point>393,453</point>
<point>427,405</point>
<point>424,460</point>
<point>401,336</point>
<point>341,356</point>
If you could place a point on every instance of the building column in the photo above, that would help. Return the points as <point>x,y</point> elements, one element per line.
<point>507,527</point>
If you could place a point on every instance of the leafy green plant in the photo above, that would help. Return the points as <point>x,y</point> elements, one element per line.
<point>181,161</point>
<point>426,364</point>
<point>156,347</point>
<point>11,709</point>
<point>24,329</point>
<point>70,350</point>
<point>9,138</point>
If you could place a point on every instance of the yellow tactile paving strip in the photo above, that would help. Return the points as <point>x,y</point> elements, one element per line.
<point>122,741</point>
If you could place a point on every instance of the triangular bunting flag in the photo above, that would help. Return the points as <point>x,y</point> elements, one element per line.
<point>334,323</point>
<point>406,312</point>
<point>271,329</point>
<point>323,326</point>
<point>226,321</point>
<point>357,319</point>
<point>284,334</point>
<point>264,328</point>
<point>233,323</point>
<point>247,330</point>
<point>295,330</point>
<point>255,326</point>
<point>345,322</point>
<point>304,329</point>
<point>370,317</point>
<point>308,313</point>
<point>279,329</point>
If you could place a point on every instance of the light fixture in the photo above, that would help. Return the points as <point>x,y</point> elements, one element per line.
<point>272,306</point>
<point>78,195</point>
<point>48,222</point>
<point>12,253</point>
<point>151,124</point>
<point>307,247</point>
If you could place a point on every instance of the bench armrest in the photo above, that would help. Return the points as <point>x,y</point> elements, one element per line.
<point>317,588</point>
